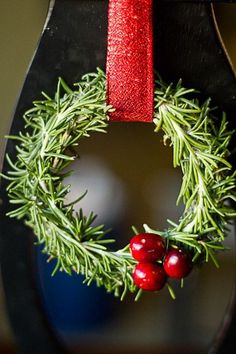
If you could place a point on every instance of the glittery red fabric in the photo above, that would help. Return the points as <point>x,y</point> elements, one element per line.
<point>130,60</point>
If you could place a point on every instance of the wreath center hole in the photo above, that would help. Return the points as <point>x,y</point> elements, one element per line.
<point>129,178</point>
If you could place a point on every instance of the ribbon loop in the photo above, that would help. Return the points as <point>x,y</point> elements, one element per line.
<point>130,60</point>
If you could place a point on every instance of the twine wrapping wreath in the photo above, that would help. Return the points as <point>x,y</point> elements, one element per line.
<point>54,127</point>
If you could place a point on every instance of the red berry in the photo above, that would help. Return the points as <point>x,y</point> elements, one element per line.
<point>147,247</point>
<point>177,264</point>
<point>149,276</point>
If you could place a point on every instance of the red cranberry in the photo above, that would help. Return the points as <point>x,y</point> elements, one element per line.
<point>149,276</point>
<point>147,247</point>
<point>177,264</point>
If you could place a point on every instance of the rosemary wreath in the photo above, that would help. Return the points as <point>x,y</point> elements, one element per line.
<point>53,129</point>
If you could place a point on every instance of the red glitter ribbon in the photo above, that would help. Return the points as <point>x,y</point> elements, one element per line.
<point>130,60</point>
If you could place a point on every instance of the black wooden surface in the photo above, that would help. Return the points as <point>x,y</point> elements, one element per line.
<point>73,43</point>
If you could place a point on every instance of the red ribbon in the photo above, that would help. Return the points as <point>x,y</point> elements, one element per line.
<point>130,60</point>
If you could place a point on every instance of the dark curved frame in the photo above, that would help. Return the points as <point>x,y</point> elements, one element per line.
<point>73,42</point>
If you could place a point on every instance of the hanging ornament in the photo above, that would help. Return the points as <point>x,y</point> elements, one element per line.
<point>54,127</point>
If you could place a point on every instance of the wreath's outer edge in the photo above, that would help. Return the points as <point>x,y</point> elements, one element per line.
<point>57,123</point>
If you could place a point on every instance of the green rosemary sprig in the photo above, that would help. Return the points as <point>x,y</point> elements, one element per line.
<point>200,148</point>
<point>54,127</point>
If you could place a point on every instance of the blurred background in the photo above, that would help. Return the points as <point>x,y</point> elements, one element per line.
<point>130,180</point>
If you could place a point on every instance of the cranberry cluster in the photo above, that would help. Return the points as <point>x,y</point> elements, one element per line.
<point>151,275</point>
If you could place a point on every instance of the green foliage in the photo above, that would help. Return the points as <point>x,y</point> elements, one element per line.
<point>54,127</point>
<point>200,148</point>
